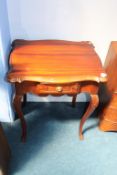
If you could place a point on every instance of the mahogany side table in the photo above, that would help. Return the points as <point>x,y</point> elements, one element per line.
<point>55,67</point>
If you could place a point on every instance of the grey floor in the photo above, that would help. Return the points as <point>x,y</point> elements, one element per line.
<point>53,146</point>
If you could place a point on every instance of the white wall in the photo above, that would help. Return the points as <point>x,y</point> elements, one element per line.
<point>6,114</point>
<point>93,20</point>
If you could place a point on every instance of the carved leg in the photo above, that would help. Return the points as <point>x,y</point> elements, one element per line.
<point>17,106</point>
<point>74,100</point>
<point>94,101</point>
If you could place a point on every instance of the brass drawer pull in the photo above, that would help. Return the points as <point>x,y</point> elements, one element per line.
<point>59,89</point>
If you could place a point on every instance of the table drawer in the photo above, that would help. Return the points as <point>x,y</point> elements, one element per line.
<point>58,88</point>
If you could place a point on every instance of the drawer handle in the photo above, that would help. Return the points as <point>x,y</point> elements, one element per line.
<point>59,89</point>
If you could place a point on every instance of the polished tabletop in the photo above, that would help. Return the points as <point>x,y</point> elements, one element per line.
<point>55,61</point>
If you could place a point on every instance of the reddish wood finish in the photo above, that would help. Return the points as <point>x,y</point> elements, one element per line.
<point>5,153</point>
<point>55,67</point>
<point>94,101</point>
<point>108,117</point>
<point>54,62</point>
<point>17,106</point>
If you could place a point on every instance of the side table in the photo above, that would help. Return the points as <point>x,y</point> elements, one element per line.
<point>55,67</point>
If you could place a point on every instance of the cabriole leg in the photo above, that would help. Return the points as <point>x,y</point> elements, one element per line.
<point>17,106</point>
<point>94,101</point>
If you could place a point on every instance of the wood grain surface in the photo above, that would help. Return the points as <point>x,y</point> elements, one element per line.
<point>108,115</point>
<point>54,61</point>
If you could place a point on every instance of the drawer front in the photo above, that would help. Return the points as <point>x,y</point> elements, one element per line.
<point>58,89</point>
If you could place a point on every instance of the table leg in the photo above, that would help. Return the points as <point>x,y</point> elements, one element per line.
<point>24,100</point>
<point>94,101</point>
<point>17,106</point>
<point>74,100</point>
